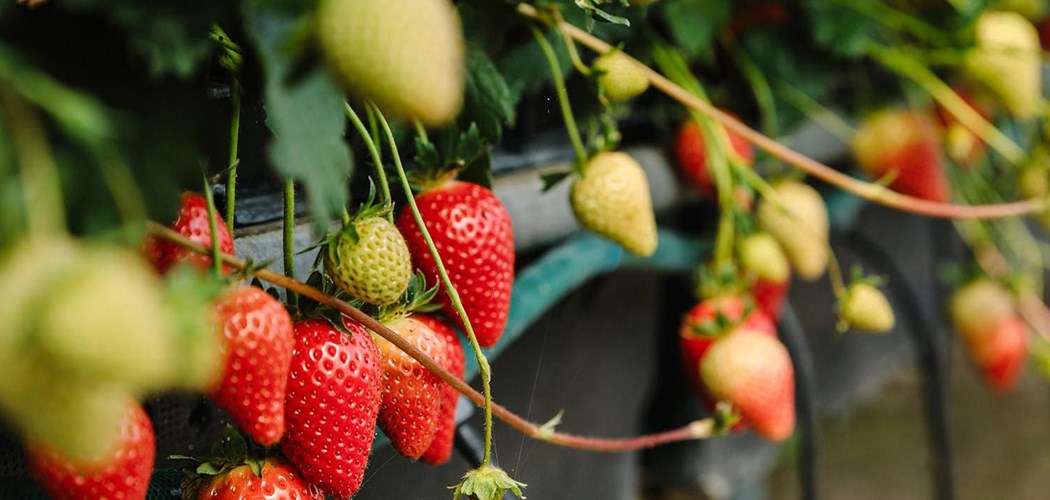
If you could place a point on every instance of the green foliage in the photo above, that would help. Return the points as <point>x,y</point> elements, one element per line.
<point>694,24</point>
<point>489,102</point>
<point>305,116</point>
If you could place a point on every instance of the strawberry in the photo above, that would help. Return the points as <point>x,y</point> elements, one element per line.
<point>704,324</point>
<point>412,395</point>
<point>903,145</point>
<point>191,223</point>
<point>440,449</point>
<point>962,145</point>
<point>996,337</point>
<point>406,55</point>
<point>619,77</point>
<point>865,307</point>
<point>979,306</point>
<point>690,149</point>
<point>1007,61</point>
<point>1044,33</point>
<point>472,232</point>
<point>259,341</point>
<point>763,259</point>
<point>1000,353</point>
<point>612,199</point>
<point>798,219</point>
<point>369,260</point>
<point>752,370</point>
<point>278,480</point>
<point>333,399</point>
<point>122,472</point>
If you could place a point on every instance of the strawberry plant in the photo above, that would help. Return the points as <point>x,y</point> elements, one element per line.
<point>101,176</point>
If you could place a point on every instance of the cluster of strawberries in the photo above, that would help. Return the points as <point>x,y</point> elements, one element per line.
<point>314,389</point>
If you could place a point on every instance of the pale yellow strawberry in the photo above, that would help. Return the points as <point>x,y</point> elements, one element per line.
<point>1007,61</point>
<point>866,308</point>
<point>612,199</point>
<point>798,219</point>
<point>620,77</point>
<point>980,306</point>
<point>761,255</point>
<point>406,55</point>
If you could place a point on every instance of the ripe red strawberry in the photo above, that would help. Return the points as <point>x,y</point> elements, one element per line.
<point>122,473</point>
<point>903,144</point>
<point>763,259</point>
<point>996,337</point>
<point>440,449</point>
<point>279,480</point>
<point>472,232</point>
<point>752,370</point>
<point>333,400</point>
<point>412,395</point>
<point>1000,353</point>
<point>259,341</point>
<point>691,151</point>
<point>1044,33</point>
<point>192,223</point>
<point>701,327</point>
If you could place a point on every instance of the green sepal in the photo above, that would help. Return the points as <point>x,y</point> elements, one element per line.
<point>416,298</point>
<point>551,179</point>
<point>486,483</point>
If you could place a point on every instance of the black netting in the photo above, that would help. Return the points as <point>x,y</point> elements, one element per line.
<point>185,424</point>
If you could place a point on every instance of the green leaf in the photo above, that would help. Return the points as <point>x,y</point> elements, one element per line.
<point>693,24</point>
<point>839,29</point>
<point>525,68</point>
<point>489,102</point>
<point>551,179</point>
<point>209,469</point>
<point>305,116</point>
<point>596,13</point>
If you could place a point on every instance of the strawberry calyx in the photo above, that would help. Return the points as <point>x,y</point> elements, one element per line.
<point>231,452</point>
<point>486,483</point>
<point>714,282</point>
<point>417,298</point>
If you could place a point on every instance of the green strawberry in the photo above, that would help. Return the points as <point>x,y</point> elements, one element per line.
<point>763,260</point>
<point>108,320</point>
<point>620,78</point>
<point>798,219</point>
<point>865,307</point>
<point>612,199</point>
<point>753,371</point>
<point>369,260</point>
<point>1007,61</point>
<point>406,55</point>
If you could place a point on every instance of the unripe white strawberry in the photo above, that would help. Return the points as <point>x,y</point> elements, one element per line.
<point>1007,61</point>
<point>612,199</point>
<point>798,219</point>
<point>406,55</point>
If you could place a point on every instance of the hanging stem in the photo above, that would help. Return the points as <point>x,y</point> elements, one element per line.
<point>288,238</point>
<point>235,133</point>
<point>698,429</point>
<point>563,96</point>
<point>869,191</point>
<point>41,185</point>
<point>817,112</point>
<point>453,295</point>
<point>213,227</point>
<point>759,85</point>
<point>373,151</point>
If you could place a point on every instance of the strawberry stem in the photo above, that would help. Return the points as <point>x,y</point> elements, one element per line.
<point>760,87</point>
<point>453,295</point>
<point>213,227</point>
<point>235,133</point>
<point>698,429</point>
<point>862,189</point>
<point>716,143</point>
<point>373,151</point>
<point>817,112</point>
<point>42,194</point>
<point>563,96</point>
<point>288,238</point>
